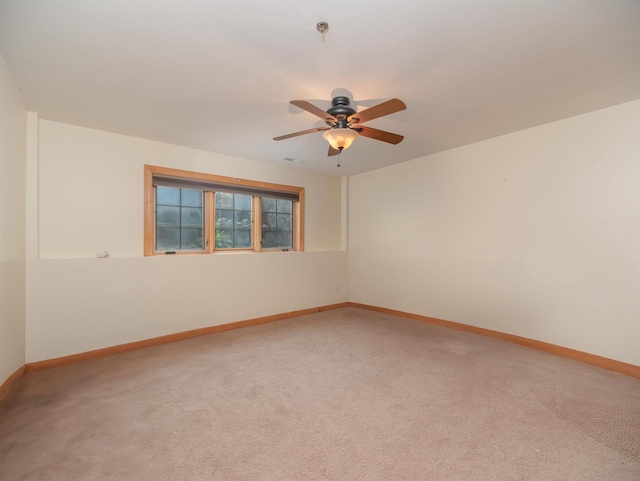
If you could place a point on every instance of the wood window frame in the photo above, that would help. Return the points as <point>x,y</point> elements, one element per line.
<point>209,210</point>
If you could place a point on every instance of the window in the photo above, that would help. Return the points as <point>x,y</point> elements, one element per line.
<point>191,212</point>
<point>179,219</point>
<point>233,220</point>
<point>277,222</point>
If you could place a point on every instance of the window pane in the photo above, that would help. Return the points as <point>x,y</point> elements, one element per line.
<point>191,239</point>
<point>168,216</point>
<point>224,219</point>
<point>224,201</point>
<point>285,239</point>
<point>269,220</point>
<point>242,238</point>
<point>191,197</point>
<point>241,202</point>
<point>284,206</point>
<point>243,219</point>
<point>191,216</point>
<point>168,195</point>
<point>224,239</point>
<point>284,221</point>
<point>268,204</point>
<point>167,239</point>
<point>269,239</point>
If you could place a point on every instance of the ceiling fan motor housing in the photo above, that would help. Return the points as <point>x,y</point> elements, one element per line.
<point>341,109</point>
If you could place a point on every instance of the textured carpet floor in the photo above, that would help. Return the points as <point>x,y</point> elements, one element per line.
<point>341,395</point>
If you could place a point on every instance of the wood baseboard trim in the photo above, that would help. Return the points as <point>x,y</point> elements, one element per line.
<point>593,359</point>
<point>6,385</point>
<point>178,336</point>
<point>603,362</point>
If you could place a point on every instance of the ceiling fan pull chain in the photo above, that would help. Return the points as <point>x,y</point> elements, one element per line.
<point>339,157</point>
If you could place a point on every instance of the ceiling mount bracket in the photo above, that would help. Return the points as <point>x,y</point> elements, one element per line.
<point>322,27</point>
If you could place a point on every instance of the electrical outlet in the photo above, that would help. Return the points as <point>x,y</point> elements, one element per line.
<point>338,287</point>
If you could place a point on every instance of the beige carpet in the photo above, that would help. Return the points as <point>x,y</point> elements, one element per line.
<point>341,395</point>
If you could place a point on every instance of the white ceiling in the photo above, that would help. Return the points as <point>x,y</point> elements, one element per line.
<point>218,75</point>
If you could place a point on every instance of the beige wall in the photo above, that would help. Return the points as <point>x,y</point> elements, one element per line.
<point>13,142</point>
<point>90,199</point>
<point>85,304</point>
<point>534,233</point>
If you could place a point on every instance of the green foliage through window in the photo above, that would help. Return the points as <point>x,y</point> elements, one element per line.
<point>233,220</point>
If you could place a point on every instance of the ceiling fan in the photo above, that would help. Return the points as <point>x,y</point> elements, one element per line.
<point>344,123</point>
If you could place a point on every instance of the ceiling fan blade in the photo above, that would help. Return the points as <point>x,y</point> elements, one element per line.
<point>380,110</point>
<point>295,134</point>
<point>379,134</point>
<point>312,109</point>
<point>333,151</point>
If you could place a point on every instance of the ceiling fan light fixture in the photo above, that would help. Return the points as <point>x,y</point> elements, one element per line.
<point>340,139</point>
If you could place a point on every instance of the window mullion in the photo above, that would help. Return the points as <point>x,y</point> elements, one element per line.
<point>210,221</point>
<point>257,223</point>
<point>297,228</point>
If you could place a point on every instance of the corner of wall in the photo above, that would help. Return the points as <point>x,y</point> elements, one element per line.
<point>13,143</point>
